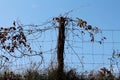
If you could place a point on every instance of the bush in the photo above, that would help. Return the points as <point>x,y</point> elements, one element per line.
<point>66,75</point>
<point>32,75</point>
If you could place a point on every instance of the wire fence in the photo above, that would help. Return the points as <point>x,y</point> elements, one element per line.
<point>80,52</point>
<point>95,55</point>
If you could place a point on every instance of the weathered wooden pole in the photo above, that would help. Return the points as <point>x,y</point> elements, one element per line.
<point>60,46</point>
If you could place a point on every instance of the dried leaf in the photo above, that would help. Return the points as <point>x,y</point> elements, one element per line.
<point>12,28</point>
<point>89,27</point>
<point>92,39</point>
<point>3,40</point>
<point>8,47</point>
<point>6,29</point>
<point>14,38</point>
<point>57,19</point>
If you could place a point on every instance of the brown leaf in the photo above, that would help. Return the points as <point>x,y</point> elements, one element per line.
<point>12,49</point>
<point>23,37</point>
<point>89,27</point>
<point>14,38</point>
<point>6,29</point>
<point>92,39</point>
<point>8,47</point>
<point>3,40</point>
<point>5,34</point>
<point>12,28</point>
<point>14,43</point>
<point>57,19</point>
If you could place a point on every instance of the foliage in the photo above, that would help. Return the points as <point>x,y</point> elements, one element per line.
<point>72,74</point>
<point>82,24</point>
<point>32,75</point>
<point>14,40</point>
<point>67,75</point>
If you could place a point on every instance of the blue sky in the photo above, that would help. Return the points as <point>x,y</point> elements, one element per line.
<point>102,13</point>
